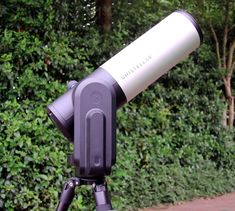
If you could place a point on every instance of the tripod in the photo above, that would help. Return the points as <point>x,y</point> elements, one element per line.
<point>100,192</point>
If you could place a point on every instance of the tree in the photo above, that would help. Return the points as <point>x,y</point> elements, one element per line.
<point>224,42</point>
<point>104,14</point>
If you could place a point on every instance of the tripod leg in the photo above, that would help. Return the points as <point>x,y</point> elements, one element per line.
<point>67,195</point>
<point>102,199</point>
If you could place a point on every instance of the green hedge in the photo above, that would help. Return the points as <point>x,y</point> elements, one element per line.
<point>170,142</point>
<point>164,155</point>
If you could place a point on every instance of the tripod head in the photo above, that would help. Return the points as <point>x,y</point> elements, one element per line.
<point>100,192</point>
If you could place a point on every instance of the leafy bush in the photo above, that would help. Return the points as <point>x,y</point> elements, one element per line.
<point>169,150</point>
<point>170,142</point>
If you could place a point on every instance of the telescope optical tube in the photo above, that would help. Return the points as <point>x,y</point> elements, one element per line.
<point>154,53</point>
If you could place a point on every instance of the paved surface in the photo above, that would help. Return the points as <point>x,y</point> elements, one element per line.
<point>221,203</point>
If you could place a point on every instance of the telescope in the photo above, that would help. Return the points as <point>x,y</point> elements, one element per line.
<point>86,113</point>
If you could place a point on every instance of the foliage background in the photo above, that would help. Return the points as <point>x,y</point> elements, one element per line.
<point>170,140</point>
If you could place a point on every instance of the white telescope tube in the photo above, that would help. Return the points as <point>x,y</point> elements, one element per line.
<point>151,55</point>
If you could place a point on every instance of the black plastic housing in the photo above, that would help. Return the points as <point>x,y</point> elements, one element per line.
<point>94,128</point>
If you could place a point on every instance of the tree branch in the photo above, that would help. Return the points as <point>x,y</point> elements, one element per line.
<point>225,35</point>
<point>231,58</point>
<point>217,48</point>
<point>231,27</point>
<point>227,86</point>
